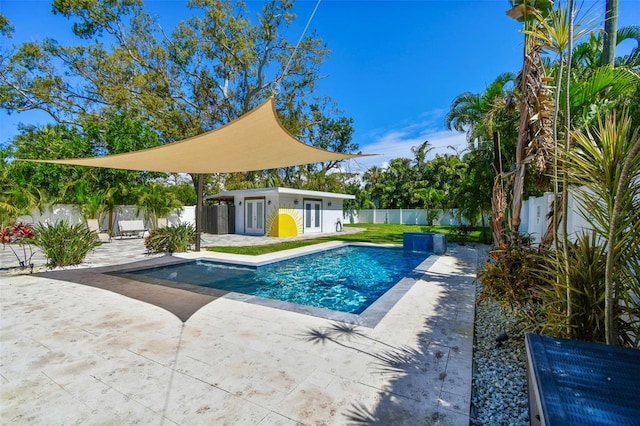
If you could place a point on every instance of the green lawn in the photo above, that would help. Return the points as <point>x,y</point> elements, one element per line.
<point>375,233</point>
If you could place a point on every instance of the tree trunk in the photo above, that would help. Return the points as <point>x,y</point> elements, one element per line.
<point>199,204</point>
<point>523,141</point>
<point>535,137</point>
<point>551,234</point>
<point>498,200</point>
<point>110,226</point>
<point>498,203</point>
<point>610,33</point>
<point>484,225</point>
<point>565,177</point>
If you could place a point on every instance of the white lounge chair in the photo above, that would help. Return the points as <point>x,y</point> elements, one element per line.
<point>132,227</point>
<point>94,226</point>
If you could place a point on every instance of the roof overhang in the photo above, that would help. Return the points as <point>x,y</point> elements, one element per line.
<point>279,190</point>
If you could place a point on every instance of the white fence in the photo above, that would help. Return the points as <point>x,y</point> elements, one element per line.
<point>535,217</point>
<point>72,214</point>
<point>535,212</point>
<point>402,217</point>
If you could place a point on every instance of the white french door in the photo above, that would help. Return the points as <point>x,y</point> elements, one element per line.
<point>254,216</point>
<point>312,216</point>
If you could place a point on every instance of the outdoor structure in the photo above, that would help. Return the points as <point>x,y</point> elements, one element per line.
<point>255,141</point>
<point>285,212</point>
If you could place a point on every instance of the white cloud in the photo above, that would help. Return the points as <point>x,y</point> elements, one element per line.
<point>397,143</point>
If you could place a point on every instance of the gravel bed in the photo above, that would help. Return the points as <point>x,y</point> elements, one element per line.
<point>499,394</point>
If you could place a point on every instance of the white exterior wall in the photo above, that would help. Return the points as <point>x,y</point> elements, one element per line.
<point>53,214</point>
<point>239,203</point>
<point>185,215</point>
<point>329,214</point>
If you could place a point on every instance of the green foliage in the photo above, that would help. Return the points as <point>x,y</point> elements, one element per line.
<point>184,193</point>
<point>172,239</point>
<point>6,29</point>
<point>49,142</point>
<point>15,199</point>
<point>78,185</point>
<point>64,244</point>
<point>124,70</point>
<point>585,277</point>
<point>320,124</point>
<point>461,233</point>
<point>156,201</point>
<point>584,273</point>
<point>604,167</point>
<point>421,183</point>
<point>208,70</point>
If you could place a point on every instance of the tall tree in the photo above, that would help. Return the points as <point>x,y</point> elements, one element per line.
<point>51,141</point>
<point>485,117</point>
<point>209,70</point>
<point>535,136</point>
<point>610,32</point>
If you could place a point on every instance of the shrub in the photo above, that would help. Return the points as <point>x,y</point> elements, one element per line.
<point>23,235</point>
<point>460,234</point>
<point>584,273</point>
<point>172,239</point>
<point>64,244</point>
<point>509,277</point>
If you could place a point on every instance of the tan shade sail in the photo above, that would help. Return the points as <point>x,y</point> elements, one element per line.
<point>255,141</point>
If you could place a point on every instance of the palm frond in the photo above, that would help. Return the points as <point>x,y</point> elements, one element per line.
<point>612,82</point>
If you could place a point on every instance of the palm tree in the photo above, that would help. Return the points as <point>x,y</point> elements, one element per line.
<point>610,32</point>
<point>472,112</point>
<point>374,183</point>
<point>535,136</point>
<point>431,200</point>
<point>155,201</point>
<point>478,115</point>
<point>592,88</point>
<point>16,199</point>
<point>588,55</point>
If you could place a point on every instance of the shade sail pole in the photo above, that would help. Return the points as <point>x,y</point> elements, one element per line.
<point>199,204</point>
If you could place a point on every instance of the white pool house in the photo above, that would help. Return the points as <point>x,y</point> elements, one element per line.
<point>284,212</point>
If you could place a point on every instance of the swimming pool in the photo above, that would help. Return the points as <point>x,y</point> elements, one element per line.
<point>345,279</point>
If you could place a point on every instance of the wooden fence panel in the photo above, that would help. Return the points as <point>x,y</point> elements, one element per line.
<point>218,219</point>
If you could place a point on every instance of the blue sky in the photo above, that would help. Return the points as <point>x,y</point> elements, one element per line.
<point>395,66</point>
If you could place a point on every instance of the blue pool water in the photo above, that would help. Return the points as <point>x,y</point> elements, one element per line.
<point>345,279</point>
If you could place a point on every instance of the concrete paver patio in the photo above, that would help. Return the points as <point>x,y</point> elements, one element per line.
<point>76,354</point>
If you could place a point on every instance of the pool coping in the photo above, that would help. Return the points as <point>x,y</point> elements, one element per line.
<point>78,354</point>
<point>370,317</point>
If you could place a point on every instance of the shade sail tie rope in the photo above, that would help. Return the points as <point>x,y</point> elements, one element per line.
<point>275,86</point>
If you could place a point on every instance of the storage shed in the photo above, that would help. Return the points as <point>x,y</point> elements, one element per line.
<point>285,212</point>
